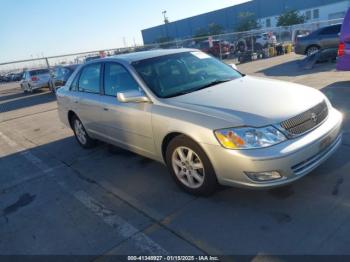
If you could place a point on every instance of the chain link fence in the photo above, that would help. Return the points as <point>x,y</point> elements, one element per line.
<point>239,46</point>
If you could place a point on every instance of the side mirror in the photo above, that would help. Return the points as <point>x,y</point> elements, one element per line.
<point>234,66</point>
<point>135,96</point>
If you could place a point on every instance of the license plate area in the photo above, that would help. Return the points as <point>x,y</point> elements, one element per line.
<point>326,142</point>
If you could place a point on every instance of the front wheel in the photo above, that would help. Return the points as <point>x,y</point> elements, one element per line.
<point>190,167</point>
<point>80,134</point>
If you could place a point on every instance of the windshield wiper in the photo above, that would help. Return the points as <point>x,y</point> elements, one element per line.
<point>212,83</point>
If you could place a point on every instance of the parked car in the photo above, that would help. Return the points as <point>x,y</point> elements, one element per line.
<point>90,58</point>
<point>16,76</point>
<point>215,48</point>
<point>323,38</point>
<point>35,79</point>
<point>343,60</point>
<point>60,75</point>
<point>3,78</point>
<point>206,121</point>
<point>261,41</point>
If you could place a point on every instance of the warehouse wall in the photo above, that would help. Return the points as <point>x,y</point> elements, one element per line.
<point>228,17</point>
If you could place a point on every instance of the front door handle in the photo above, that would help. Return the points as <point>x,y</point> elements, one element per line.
<point>105,109</point>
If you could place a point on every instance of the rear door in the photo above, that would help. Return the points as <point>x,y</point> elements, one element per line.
<point>329,36</point>
<point>89,99</point>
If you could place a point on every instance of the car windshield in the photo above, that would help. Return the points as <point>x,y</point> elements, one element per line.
<point>182,73</point>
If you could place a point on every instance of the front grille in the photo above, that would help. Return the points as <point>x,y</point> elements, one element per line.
<point>306,121</point>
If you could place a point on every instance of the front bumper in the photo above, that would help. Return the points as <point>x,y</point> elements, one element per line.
<point>299,49</point>
<point>293,158</point>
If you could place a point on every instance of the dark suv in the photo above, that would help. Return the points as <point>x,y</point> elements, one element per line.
<point>323,38</point>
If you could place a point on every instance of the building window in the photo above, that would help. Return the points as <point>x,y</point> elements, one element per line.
<point>308,15</point>
<point>336,15</point>
<point>316,13</point>
<point>268,22</point>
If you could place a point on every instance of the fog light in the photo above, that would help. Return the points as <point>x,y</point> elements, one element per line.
<point>264,176</point>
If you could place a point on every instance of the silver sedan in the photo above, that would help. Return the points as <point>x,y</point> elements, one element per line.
<point>206,121</point>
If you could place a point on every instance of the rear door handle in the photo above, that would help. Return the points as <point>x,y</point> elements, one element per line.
<point>76,101</point>
<point>105,109</point>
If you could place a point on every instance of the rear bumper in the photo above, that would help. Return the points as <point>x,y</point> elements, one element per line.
<point>37,85</point>
<point>293,158</point>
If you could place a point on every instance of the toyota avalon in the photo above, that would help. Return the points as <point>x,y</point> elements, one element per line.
<point>206,121</point>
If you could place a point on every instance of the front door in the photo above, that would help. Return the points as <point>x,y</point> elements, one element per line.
<point>127,124</point>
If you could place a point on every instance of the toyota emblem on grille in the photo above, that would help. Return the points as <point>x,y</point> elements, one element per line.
<point>314,117</point>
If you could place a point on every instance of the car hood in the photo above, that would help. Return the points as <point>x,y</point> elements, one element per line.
<point>250,101</point>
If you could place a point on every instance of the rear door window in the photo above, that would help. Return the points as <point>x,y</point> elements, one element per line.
<point>331,30</point>
<point>89,80</point>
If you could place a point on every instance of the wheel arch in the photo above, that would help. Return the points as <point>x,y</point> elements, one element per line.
<point>70,116</point>
<point>170,136</point>
<point>312,45</point>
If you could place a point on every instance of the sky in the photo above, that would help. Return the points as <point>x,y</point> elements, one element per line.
<point>36,28</point>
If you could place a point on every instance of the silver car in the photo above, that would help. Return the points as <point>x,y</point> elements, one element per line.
<point>35,79</point>
<point>323,38</point>
<point>206,121</point>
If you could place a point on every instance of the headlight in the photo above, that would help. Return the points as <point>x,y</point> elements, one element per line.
<point>249,137</point>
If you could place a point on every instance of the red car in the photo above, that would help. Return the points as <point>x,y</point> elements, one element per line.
<point>215,49</point>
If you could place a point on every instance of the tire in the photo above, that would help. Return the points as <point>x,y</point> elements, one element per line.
<point>192,171</point>
<point>311,50</point>
<point>51,88</point>
<point>30,90</point>
<point>80,133</point>
<point>23,88</point>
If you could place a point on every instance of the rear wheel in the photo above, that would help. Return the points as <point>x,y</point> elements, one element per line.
<point>51,87</point>
<point>312,50</point>
<point>190,167</point>
<point>30,89</point>
<point>80,133</point>
<point>23,88</point>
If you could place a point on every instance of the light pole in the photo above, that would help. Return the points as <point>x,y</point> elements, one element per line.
<point>166,20</point>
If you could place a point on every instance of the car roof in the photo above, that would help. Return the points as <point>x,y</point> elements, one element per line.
<point>142,55</point>
<point>38,69</point>
<point>72,66</point>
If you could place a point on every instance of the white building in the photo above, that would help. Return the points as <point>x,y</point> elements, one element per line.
<point>334,11</point>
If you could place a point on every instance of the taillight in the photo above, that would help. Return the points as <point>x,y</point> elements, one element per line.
<point>34,78</point>
<point>341,49</point>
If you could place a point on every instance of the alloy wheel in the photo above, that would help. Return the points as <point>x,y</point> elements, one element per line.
<point>188,167</point>
<point>312,50</point>
<point>80,132</point>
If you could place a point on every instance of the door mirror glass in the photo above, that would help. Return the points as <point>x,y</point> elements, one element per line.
<point>135,96</point>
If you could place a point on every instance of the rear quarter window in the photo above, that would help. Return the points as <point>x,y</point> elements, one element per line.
<point>331,30</point>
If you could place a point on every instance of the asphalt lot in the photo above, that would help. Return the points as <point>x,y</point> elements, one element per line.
<point>57,198</point>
